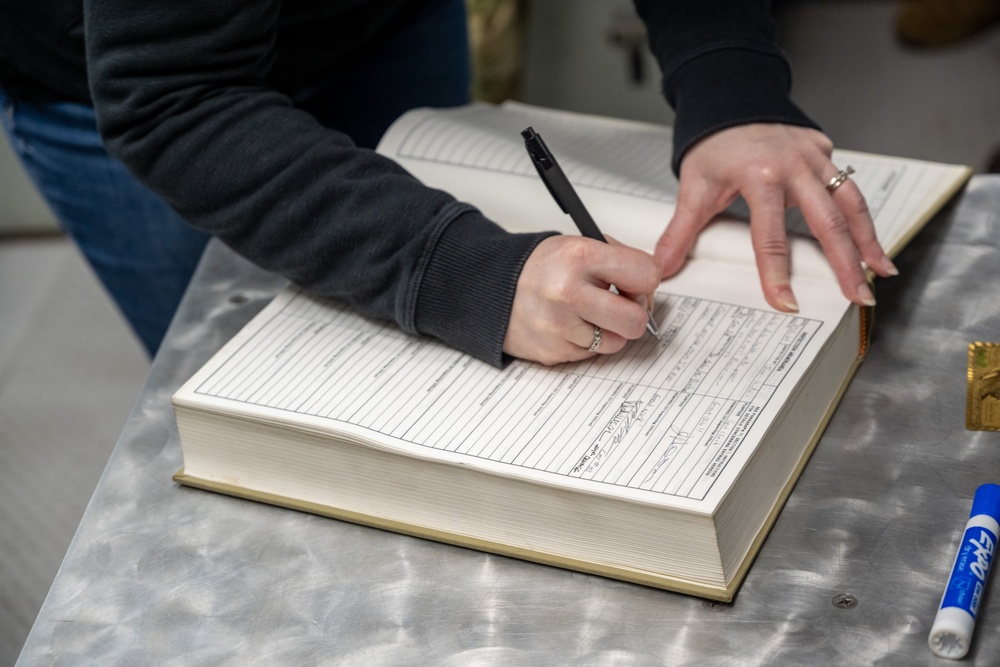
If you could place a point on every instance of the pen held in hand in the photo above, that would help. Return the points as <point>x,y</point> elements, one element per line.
<point>569,201</point>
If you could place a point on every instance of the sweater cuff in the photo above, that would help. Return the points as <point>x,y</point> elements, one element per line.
<point>466,290</point>
<point>728,87</point>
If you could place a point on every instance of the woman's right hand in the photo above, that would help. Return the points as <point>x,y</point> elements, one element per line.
<point>563,294</point>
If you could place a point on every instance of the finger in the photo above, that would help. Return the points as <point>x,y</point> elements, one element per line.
<point>647,301</point>
<point>644,300</point>
<point>617,314</point>
<point>540,339</point>
<point>598,340</point>
<point>569,353</point>
<point>567,344</point>
<point>696,206</point>
<point>852,203</point>
<point>770,245</point>
<point>631,271</point>
<point>832,230</point>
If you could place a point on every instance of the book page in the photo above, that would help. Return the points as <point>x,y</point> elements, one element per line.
<point>621,170</point>
<point>662,419</point>
<point>670,421</point>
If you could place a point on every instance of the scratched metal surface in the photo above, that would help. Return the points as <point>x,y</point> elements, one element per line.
<point>159,574</point>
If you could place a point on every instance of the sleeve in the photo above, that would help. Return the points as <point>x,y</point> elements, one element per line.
<point>721,66</point>
<point>182,100</point>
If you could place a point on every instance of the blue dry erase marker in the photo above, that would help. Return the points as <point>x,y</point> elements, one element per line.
<point>951,633</point>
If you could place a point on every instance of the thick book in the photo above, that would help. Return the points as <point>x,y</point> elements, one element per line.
<point>665,464</point>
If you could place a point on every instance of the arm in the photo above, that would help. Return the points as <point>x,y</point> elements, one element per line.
<point>738,133</point>
<point>182,99</point>
<point>721,67</point>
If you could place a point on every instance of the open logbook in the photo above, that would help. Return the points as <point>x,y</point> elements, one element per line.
<point>665,464</point>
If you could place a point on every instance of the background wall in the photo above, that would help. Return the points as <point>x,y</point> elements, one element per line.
<point>850,73</point>
<point>70,369</point>
<point>870,93</point>
<point>572,62</point>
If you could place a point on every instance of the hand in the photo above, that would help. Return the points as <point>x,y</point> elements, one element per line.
<point>776,167</point>
<point>563,293</point>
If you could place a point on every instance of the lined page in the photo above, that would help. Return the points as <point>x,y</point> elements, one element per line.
<point>617,157</point>
<point>621,170</point>
<point>665,417</point>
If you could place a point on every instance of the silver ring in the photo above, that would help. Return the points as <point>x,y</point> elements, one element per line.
<point>598,335</point>
<point>839,179</point>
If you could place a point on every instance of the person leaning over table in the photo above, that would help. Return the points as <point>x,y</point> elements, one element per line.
<point>254,119</point>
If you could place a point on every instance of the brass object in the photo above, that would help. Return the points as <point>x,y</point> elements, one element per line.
<point>983,400</point>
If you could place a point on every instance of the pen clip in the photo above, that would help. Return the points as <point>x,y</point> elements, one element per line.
<point>542,159</point>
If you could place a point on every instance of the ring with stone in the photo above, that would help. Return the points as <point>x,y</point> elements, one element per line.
<point>596,343</point>
<point>839,179</point>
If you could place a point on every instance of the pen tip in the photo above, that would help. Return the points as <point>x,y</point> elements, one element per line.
<point>652,328</point>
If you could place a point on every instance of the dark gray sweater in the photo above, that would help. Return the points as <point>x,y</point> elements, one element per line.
<point>193,101</point>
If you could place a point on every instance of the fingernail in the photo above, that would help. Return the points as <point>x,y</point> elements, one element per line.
<point>643,301</point>
<point>650,304</point>
<point>889,267</point>
<point>865,295</point>
<point>786,299</point>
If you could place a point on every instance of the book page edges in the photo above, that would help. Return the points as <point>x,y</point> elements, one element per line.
<point>624,574</point>
<point>867,312</point>
<point>793,479</point>
<point>722,594</point>
<point>866,318</point>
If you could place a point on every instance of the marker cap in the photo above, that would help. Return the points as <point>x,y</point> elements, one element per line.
<point>951,634</point>
<point>987,501</point>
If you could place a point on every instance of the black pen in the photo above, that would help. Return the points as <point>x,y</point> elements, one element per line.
<point>564,194</point>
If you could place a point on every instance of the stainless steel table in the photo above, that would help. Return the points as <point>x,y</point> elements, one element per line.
<point>851,574</point>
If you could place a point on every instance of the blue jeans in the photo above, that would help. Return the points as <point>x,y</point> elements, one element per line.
<point>140,249</point>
